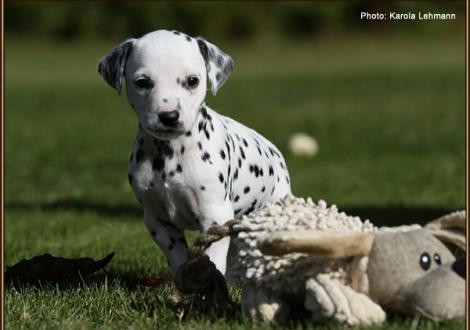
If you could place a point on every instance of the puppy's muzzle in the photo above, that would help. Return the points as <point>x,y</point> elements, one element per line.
<point>169,118</point>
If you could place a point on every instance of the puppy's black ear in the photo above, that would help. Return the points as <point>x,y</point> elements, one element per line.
<point>111,66</point>
<point>218,64</point>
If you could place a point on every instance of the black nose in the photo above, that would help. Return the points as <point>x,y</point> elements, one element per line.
<point>169,118</point>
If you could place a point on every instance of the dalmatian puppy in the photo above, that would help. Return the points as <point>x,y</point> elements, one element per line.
<point>190,167</point>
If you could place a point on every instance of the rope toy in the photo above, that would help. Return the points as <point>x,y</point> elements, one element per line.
<point>340,268</point>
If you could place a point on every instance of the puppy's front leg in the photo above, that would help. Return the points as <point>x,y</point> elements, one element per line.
<point>169,238</point>
<point>214,213</point>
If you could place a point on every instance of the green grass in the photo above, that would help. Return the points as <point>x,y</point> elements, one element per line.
<point>388,114</point>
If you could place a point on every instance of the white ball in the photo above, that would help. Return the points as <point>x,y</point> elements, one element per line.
<point>301,144</point>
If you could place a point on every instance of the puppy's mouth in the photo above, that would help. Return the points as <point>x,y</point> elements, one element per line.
<point>166,132</point>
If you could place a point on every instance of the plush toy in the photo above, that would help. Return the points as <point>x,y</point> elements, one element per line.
<point>298,254</point>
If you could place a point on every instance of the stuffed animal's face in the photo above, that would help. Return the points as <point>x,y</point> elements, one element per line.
<point>408,269</point>
<point>398,261</point>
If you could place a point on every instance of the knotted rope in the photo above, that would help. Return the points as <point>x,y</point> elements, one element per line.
<point>213,234</point>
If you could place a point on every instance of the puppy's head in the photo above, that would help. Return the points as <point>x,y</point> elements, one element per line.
<point>166,75</point>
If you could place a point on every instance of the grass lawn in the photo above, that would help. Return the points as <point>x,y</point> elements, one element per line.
<point>388,114</point>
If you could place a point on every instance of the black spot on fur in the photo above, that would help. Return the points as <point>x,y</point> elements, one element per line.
<point>205,114</point>
<point>222,154</point>
<point>188,38</point>
<point>235,175</point>
<point>205,156</point>
<point>246,190</point>
<point>176,32</point>
<point>242,152</point>
<point>233,142</point>
<point>220,61</point>
<point>172,173</point>
<point>237,211</point>
<point>271,170</point>
<point>239,163</point>
<point>251,209</point>
<point>255,170</point>
<point>165,100</point>
<point>263,189</point>
<point>211,53</point>
<point>221,177</point>
<point>202,188</point>
<point>164,148</point>
<point>158,163</point>
<point>188,133</point>
<point>182,150</point>
<point>179,169</point>
<point>236,198</point>
<point>218,77</point>
<point>245,143</point>
<point>139,155</point>
<point>272,191</point>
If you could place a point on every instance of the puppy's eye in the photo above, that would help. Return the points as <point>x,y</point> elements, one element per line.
<point>143,83</point>
<point>437,258</point>
<point>425,261</point>
<point>192,82</point>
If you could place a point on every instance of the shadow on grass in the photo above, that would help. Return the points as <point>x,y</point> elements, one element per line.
<point>130,281</point>
<point>379,215</point>
<point>157,292</point>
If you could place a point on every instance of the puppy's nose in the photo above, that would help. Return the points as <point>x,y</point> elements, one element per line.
<point>169,118</point>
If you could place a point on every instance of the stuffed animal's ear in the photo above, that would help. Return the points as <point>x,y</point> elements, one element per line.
<point>111,66</point>
<point>318,243</point>
<point>218,64</point>
<point>450,228</point>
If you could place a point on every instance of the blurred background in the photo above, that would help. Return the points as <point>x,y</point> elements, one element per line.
<point>385,101</point>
